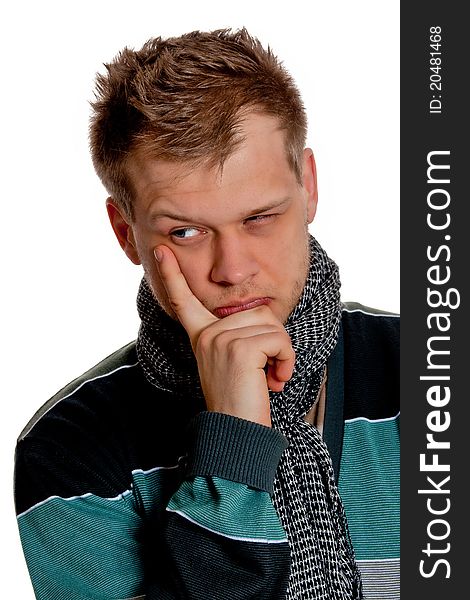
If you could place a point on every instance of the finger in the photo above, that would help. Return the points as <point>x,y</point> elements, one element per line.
<point>253,316</point>
<point>255,337</point>
<point>279,372</point>
<point>276,381</point>
<point>263,346</point>
<point>272,382</point>
<point>224,337</point>
<point>192,314</point>
<point>283,369</point>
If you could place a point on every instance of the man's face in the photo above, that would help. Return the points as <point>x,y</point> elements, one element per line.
<point>240,236</point>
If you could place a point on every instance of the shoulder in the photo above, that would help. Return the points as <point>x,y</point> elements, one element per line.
<point>365,325</point>
<point>112,373</point>
<point>72,445</point>
<point>371,361</point>
<point>91,435</point>
<point>357,311</point>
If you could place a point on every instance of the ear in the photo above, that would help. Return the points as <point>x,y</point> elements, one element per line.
<point>123,230</point>
<point>310,183</point>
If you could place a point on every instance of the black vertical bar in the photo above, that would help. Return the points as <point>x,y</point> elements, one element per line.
<point>434,298</point>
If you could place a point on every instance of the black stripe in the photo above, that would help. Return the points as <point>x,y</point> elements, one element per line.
<point>244,569</point>
<point>371,358</point>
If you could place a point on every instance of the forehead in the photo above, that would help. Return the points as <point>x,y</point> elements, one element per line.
<point>258,166</point>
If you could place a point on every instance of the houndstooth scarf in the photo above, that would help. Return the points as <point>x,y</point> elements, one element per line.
<point>305,494</point>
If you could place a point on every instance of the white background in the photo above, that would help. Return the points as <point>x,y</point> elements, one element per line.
<point>68,292</point>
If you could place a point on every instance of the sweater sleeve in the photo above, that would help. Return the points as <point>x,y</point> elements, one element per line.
<point>223,536</point>
<point>216,535</point>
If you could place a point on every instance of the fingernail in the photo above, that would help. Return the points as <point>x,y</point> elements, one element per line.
<point>158,254</point>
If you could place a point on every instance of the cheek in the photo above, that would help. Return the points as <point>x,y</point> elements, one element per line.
<point>147,258</point>
<point>195,271</point>
<point>294,257</point>
<point>146,242</point>
<point>288,248</point>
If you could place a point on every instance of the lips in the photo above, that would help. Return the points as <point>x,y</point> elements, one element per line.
<point>225,311</point>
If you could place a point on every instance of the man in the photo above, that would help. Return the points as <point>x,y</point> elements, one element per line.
<point>204,459</point>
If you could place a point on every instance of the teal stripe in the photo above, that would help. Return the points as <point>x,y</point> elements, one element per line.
<point>82,548</point>
<point>155,488</point>
<point>228,508</point>
<point>369,484</point>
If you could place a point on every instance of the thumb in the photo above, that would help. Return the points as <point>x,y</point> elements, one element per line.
<point>192,314</point>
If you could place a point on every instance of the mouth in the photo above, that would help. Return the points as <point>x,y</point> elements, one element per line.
<point>225,311</point>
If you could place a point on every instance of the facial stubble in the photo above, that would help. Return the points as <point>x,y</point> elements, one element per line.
<point>287,305</point>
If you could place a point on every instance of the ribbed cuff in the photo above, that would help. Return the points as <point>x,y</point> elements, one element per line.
<point>224,446</point>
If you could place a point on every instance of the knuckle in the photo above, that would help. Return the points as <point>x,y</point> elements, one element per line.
<point>204,340</point>
<point>265,312</point>
<point>176,306</point>
<point>264,315</point>
<point>222,340</point>
<point>236,348</point>
<point>176,303</point>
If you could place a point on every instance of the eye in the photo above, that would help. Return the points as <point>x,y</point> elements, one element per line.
<point>186,232</point>
<point>260,219</point>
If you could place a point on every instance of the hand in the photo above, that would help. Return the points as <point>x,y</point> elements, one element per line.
<point>232,352</point>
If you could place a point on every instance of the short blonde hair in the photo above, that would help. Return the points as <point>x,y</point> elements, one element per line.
<point>183,98</point>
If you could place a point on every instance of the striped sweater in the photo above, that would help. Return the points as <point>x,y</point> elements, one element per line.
<point>124,491</point>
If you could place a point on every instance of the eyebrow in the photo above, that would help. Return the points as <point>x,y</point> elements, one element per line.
<point>261,209</point>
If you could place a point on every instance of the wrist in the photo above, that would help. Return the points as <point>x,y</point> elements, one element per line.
<point>236,449</point>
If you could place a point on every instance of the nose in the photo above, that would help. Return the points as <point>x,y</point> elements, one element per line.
<point>233,263</point>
